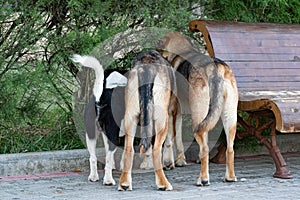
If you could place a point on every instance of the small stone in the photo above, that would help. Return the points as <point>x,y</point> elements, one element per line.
<point>281,181</point>
<point>59,191</point>
<point>243,179</point>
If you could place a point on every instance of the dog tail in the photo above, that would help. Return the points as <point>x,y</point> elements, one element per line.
<point>146,108</point>
<point>216,93</point>
<point>92,62</point>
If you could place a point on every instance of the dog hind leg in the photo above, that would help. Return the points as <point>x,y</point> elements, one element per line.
<point>180,160</point>
<point>202,139</point>
<point>91,146</point>
<point>229,119</point>
<point>168,155</point>
<point>109,162</point>
<point>130,123</point>
<point>161,97</point>
<point>125,182</point>
<point>199,106</point>
<point>174,138</point>
<point>161,181</point>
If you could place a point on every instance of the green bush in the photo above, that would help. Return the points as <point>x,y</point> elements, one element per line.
<point>278,11</point>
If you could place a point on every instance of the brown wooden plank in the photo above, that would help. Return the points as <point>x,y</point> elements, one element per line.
<point>269,80</point>
<point>284,42</point>
<point>230,57</point>
<point>290,109</point>
<point>264,72</point>
<point>290,128</point>
<point>245,26</point>
<point>263,50</point>
<point>242,26</point>
<point>282,97</point>
<point>290,112</point>
<point>266,65</point>
<point>208,27</point>
<point>244,79</point>
<point>257,87</point>
<point>271,86</point>
<point>252,86</point>
<point>274,95</point>
<point>247,35</point>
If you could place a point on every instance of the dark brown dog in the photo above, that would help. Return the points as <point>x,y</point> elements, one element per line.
<point>212,94</point>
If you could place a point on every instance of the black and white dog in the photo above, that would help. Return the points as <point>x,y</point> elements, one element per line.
<point>104,113</point>
<point>101,116</point>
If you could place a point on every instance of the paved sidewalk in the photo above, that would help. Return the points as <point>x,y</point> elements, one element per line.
<point>254,181</point>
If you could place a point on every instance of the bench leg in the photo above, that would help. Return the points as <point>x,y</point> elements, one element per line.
<point>274,151</point>
<point>281,171</point>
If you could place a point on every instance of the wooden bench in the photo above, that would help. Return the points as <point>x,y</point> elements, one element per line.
<point>265,59</point>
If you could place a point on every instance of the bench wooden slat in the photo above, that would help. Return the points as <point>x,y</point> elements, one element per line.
<point>264,50</point>
<point>246,26</point>
<point>284,42</point>
<point>291,115</point>
<point>266,65</point>
<point>265,59</point>
<point>258,57</point>
<point>267,86</point>
<point>266,72</point>
<point>255,36</point>
<point>292,80</point>
<point>284,95</point>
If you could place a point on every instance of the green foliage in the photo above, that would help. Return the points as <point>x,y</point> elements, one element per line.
<point>32,138</point>
<point>37,78</point>
<point>279,11</point>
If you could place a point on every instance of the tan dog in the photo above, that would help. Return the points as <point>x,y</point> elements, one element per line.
<point>148,100</point>
<point>212,94</point>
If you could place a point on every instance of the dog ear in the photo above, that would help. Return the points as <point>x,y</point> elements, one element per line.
<point>115,79</point>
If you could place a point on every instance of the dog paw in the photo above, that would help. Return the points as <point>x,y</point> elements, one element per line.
<point>230,179</point>
<point>125,187</point>
<point>93,177</point>
<point>180,163</point>
<point>165,187</point>
<point>169,166</point>
<point>125,182</point>
<point>109,181</point>
<point>202,182</point>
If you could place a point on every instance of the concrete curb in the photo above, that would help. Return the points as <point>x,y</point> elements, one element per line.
<point>43,162</point>
<point>78,160</point>
<point>54,161</point>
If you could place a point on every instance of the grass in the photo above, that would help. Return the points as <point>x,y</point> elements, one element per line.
<point>30,139</point>
<point>65,137</point>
